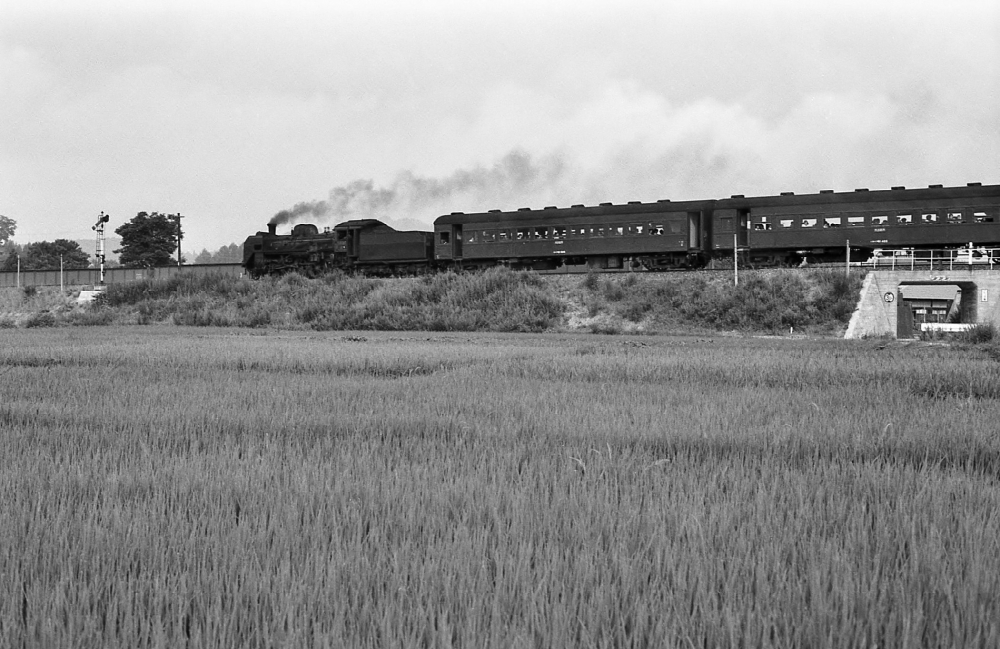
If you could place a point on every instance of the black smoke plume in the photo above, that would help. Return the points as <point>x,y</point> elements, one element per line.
<point>412,197</point>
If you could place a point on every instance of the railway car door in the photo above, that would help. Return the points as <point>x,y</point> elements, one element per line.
<point>726,223</point>
<point>694,230</point>
<point>456,241</point>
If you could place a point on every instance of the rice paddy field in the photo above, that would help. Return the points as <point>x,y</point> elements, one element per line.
<point>166,486</point>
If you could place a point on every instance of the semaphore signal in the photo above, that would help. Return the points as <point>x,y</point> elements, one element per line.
<point>99,228</point>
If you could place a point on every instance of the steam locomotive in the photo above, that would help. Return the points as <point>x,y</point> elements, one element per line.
<point>787,230</point>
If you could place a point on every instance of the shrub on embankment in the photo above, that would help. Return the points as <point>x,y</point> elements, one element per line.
<point>817,300</point>
<point>493,300</point>
<point>496,300</point>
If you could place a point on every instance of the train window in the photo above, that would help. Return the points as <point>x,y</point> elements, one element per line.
<point>786,223</point>
<point>541,233</point>
<point>855,221</point>
<point>489,236</point>
<point>904,219</point>
<point>929,217</point>
<point>983,217</point>
<point>808,223</point>
<point>559,233</point>
<point>762,224</point>
<point>655,229</point>
<point>639,229</point>
<point>503,235</point>
<point>617,231</point>
<point>677,227</point>
<point>954,217</point>
<point>880,219</point>
<point>599,231</point>
<point>446,237</point>
<point>470,237</point>
<point>832,222</point>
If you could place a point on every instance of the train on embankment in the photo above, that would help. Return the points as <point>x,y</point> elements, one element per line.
<point>783,230</point>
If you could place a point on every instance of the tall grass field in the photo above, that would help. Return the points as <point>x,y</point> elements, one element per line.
<point>231,487</point>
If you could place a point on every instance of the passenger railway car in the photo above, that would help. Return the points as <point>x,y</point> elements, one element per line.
<point>787,229</point>
<point>652,236</point>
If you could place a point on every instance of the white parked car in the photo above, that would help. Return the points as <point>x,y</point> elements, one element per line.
<point>974,256</point>
<point>893,258</point>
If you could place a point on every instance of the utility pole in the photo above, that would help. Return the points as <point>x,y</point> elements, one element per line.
<point>99,228</point>
<point>180,235</point>
<point>736,261</point>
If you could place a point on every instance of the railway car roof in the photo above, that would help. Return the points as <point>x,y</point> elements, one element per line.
<point>931,192</point>
<point>528,215</point>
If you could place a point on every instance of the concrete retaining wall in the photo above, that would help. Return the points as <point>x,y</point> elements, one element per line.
<point>877,312</point>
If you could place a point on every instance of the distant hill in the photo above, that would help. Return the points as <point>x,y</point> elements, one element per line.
<point>89,246</point>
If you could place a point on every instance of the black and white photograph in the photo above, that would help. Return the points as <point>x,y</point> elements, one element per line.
<point>529,323</point>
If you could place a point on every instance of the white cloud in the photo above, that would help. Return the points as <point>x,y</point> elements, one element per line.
<point>230,112</point>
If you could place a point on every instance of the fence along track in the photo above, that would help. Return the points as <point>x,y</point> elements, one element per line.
<point>78,277</point>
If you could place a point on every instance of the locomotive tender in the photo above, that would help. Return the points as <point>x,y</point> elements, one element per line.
<point>767,230</point>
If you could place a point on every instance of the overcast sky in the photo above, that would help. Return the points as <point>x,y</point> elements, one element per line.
<point>231,112</point>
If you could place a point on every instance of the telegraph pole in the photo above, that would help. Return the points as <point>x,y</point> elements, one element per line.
<point>99,228</point>
<point>180,235</point>
<point>736,261</point>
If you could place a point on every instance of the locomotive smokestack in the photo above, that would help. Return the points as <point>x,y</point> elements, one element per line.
<point>272,228</point>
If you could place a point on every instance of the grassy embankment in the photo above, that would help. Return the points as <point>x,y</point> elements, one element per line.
<point>496,300</point>
<point>208,487</point>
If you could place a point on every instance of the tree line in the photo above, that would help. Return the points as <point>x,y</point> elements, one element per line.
<point>149,239</point>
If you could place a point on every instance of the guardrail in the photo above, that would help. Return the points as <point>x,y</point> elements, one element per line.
<point>74,277</point>
<point>950,259</point>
